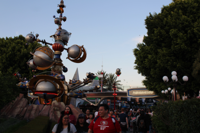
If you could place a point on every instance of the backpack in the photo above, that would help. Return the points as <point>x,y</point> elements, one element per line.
<point>113,120</point>
<point>69,127</point>
<point>141,124</point>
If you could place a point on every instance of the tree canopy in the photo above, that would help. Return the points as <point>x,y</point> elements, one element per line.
<point>171,43</point>
<point>108,80</point>
<point>15,54</point>
<point>8,89</point>
<point>13,57</point>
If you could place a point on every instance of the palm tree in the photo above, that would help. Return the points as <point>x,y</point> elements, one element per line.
<point>111,79</point>
<point>105,76</point>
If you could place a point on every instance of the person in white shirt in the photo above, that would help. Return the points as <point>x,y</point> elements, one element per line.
<point>64,126</point>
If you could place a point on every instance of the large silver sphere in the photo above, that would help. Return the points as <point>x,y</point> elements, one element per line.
<point>41,59</point>
<point>73,51</point>
<point>64,35</point>
<point>46,86</point>
<point>31,64</point>
<point>30,38</point>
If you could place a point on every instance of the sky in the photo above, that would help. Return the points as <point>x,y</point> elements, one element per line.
<point>108,29</point>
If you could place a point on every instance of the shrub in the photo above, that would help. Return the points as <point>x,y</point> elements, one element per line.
<point>177,117</point>
<point>38,125</point>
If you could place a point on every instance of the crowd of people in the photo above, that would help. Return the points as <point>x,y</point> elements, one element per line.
<point>108,121</point>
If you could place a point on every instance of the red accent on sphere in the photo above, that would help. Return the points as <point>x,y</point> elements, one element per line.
<point>57,47</point>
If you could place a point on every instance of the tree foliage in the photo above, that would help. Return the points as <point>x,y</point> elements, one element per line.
<point>8,89</point>
<point>13,57</point>
<point>196,67</point>
<point>111,79</point>
<point>108,80</point>
<point>171,43</point>
<point>15,54</point>
<point>105,76</point>
<point>177,117</point>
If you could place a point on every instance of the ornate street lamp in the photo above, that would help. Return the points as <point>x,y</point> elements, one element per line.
<point>118,72</point>
<point>174,83</point>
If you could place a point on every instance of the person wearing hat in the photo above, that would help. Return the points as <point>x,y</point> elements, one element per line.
<point>81,125</point>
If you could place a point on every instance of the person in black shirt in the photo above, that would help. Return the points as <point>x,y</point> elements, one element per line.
<point>143,122</point>
<point>81,125</point>
<point>123,118</point>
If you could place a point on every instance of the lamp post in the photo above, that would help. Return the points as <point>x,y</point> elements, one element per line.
<point>174,83</point>
<point>118,72</point>
<point>167,92</point>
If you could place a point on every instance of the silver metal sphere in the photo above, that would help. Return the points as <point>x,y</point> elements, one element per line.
<point>46,86</point>
<point>41,59</point>
<point>73,51</point>
<point>30,38</point>
<point>64,35</point>
<point>31,64</point>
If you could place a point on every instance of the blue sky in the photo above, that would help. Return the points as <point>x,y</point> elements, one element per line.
<point>108,29</point>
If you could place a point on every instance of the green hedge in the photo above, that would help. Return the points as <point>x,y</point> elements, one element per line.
<point>15,127</point>
<point>38,125</point>
<point>177,117</point>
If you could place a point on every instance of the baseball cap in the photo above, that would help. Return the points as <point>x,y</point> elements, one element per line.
<point>81,116</point>
<point>131,110</point>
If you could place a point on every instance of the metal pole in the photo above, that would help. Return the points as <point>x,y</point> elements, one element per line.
<point>101,84</point>
<point>174,93</point>
<point>114,98</point>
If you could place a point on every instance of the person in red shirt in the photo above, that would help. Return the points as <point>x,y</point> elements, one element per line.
<point>104,123</point>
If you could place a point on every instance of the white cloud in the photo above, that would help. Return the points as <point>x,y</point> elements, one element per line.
<point>133,41</point>
<point>137,39</point>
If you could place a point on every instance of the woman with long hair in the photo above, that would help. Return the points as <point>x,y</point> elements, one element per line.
<point>81,125</point>
<point>72,118</point>
<point>91,117</point>
<point>64,126</point>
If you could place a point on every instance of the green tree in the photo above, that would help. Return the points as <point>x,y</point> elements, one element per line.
<point>171,43</point>
<point>111,79</point>
<point>177,117</point>
<point>15,54</point>
<point>8,89</point>
<point>13,58</point>
<point>196,67</point>
<point>105,76</point>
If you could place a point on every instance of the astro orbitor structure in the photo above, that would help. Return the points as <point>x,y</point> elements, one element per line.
<point>52,86</point>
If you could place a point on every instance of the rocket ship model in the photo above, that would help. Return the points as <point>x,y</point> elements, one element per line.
<point>53,85</point>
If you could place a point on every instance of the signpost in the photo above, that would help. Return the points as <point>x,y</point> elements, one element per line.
<point>114,94</point>
<point>140,93</point>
